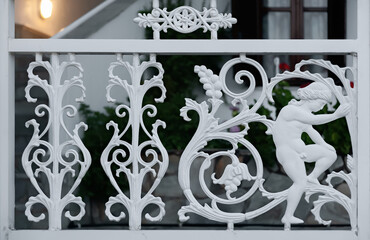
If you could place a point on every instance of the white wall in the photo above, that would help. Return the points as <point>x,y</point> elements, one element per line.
<point>27,13</point>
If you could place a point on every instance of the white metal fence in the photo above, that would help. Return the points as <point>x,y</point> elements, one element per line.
<point>184,19</point>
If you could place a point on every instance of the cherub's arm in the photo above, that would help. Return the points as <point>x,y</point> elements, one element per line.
<point>312,119</point>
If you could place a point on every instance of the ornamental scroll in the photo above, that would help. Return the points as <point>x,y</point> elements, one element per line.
<point>312,99</point>
<point>127,158</point>
<point>56,157</point>
<point>185,19</point>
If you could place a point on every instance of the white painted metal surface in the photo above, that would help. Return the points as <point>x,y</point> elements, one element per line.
<point>296,118</point>
<point>292,121</point>
<point>180,234</point>
<point>185,19</point>
<point>211,47</point>
<point>55,158</point>
<point>7,120</point>
<point>132,152</point>
<point>358,119</point>
<point>363,116</point>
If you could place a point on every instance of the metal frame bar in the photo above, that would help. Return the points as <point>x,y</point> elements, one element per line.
<point>180,234</point>
<point>7,120</point>
<point>100,46</point>
<point>363,132</point>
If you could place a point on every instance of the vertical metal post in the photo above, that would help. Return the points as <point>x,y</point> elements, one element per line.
<point>213,3</point>
<point>156,33</point>
<point>7,119</point>
<point>214,36</point>
<point>155,3</point>
<point>363,26</point>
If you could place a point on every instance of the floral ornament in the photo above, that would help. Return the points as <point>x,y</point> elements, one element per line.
<point>185,19</point>
<point>232,177</point>
<point>210,128</point>
<point>210,81</point>
<point>55,159</point>
<point>135,167</point>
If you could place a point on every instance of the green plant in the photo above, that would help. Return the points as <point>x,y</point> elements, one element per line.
<point>257,132</point>
<point>96,184</point>
<point>335,133</point>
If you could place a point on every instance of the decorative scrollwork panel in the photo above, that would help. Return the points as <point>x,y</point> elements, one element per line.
<point>311,99</point>
<point>185,19</point>
<point>56,157</point>
<point>294,119</point>
<point>133,165</point>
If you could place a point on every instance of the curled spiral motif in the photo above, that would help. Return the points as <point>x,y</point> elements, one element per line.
<point>209,129</point>
<point>185,19</point>
<point>235,172</point>
<point>61,157</point>
<point>135,167</point>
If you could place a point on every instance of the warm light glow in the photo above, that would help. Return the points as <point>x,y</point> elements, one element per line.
<point>46,8</point>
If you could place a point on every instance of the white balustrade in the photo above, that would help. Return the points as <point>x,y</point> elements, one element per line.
<point>55,157</point>
<point>134,166</point>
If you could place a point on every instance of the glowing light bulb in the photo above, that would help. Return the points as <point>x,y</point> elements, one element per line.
<point>46,8</point>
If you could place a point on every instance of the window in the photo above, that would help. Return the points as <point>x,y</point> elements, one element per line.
<point>290,19</point>
<point>295,19</point>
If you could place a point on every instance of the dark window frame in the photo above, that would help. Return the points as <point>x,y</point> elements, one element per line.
<point>250,18</point>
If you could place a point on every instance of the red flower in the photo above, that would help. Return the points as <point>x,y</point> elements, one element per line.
<point>304,85</point>
<point>352,84</point>
<point>284,67</point>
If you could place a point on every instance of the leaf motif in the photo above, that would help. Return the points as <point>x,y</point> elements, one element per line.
<point>41,156</point>
<point>234,173</point>
<point>185,19</point>
<point>134,166</point>
<point>201,109</point>
<point>318,204</point>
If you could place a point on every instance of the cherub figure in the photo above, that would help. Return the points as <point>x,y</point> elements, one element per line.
<point>294,119</point>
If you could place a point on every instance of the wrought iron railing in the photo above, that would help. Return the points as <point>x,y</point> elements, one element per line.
<point>55,157</point>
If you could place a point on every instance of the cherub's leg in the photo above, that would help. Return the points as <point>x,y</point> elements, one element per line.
<point>295,169</point>
<point>294,195</point>
<point>323,157</point>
